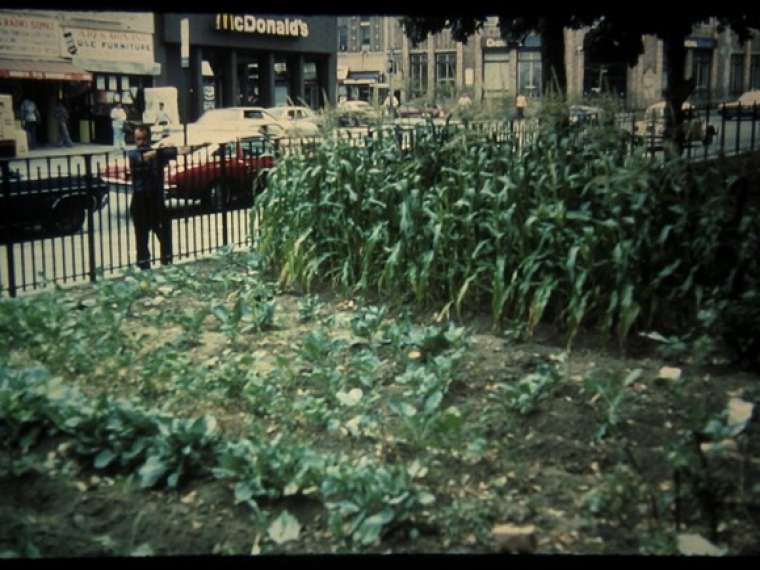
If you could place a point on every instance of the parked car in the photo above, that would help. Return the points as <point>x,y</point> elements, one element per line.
<point>652,126</point>
<point>56,204</point>
<point>356,113</point>
<point>198,176</point>
<point>298,121</point>
<point>217,125</point>
<point>581,114</point>
<point>742,107</point>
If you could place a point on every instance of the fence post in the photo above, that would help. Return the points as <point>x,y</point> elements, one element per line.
<point>754,123</point>
<point>737,138</point>
<point>90,215</point>
<point>723,130</point>
<point>8,241</point>
<point>225,190</point>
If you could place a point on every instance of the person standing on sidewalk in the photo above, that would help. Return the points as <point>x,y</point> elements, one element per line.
<point>147,207</point>
<point>30,116</point>
<point>118,119</point>
<point>62,118</point>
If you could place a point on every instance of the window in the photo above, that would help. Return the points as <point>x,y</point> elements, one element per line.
<point>445,73</point>
<point>365,31</point>
<point>736,81</point>
<point>343,38</point>
<point>754,72</point>
<point>529,72</point>
<point>418,74</point>
<point>495,73</point>
<point>253,114</point>
<point>701,72</point>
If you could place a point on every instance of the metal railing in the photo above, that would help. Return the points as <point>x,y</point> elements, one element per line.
<point>68,219</point>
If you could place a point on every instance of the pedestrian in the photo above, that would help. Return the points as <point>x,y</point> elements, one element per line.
<point>61,115</point>
<point>391,104</point>
<point>30,117</point>
<point>118,120</point>
<point>521,103</point>
<point>147,207</point>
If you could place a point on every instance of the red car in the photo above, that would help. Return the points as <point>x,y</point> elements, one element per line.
<point>198,175</point>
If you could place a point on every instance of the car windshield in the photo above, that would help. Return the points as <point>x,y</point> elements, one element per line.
<point>219,115</point>
<point>254,114</point>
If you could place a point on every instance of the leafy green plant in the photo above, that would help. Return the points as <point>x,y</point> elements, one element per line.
<point>308,307</point>
<point>524,395</point>
<point>611,389</point>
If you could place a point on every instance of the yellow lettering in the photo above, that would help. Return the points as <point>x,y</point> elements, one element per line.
<point>271,27</point>
<point>304,29</point>
<point>293,28</point>
<point>281,28</point>
<point>250,23</point>
<point>239,26</point>
<point>261,26</point>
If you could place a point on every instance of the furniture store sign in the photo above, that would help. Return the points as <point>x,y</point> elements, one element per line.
<point>31,37</point>
<point>247,24</point>
<point>109,45</point>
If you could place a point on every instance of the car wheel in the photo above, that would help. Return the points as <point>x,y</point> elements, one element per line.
<point>67,216</point>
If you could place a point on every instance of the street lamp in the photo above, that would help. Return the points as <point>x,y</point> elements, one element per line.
<point>184,33</point>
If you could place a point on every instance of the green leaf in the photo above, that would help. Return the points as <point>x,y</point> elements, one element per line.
<point>151,471</point>
<point>243,492</point>
<point>425,498</point>
<point>284,528</point>
<point>370,528</point>
<point>104,458</point>
<point>433,401</point>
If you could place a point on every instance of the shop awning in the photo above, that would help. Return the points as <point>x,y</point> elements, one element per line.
<point>124,67</point>
<point>46,70</point>
<point>362,77</point>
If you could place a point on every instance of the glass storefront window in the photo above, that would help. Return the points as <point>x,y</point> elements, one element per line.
<point>736,82</point>
<point>754,72</point>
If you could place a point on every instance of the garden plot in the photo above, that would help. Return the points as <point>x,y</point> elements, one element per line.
<point>199,409</point>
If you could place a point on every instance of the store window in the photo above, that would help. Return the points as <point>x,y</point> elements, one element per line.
<point>342,37</point>
<point>754,72</point>
<point>736,80</point>
<point>417,74</point>
<point>281,83</point>
<point>445,74</point>
<point>529,72</point>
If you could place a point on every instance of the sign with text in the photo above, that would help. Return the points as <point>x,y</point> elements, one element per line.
<point>248,24</point>
<point>108,45</point>
<point>31,37</point>
<point>184,48</point>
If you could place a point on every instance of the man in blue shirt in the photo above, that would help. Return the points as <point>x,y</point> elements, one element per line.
<point>147,207</point>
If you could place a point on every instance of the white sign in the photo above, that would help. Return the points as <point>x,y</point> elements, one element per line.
<point>495,43</point>
<point>104,45</point>
<point>29,36</point>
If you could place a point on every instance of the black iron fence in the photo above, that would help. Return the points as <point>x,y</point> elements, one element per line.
<point>68,219</point>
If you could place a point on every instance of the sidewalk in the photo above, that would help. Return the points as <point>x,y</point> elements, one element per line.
<point>77,149</point>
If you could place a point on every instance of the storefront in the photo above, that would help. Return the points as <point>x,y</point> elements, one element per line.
<point>262,60</point>
<point>122,64</point>
<point>33,66</point>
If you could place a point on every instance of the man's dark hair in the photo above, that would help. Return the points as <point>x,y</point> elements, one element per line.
<point>143,128</point>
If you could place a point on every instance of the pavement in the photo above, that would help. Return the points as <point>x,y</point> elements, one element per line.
<point>76,149</point>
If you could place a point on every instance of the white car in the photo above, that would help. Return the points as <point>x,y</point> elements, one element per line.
<point>652,127</point>
<point>356,113</point>
<point>744,107</point>
<point>222,125</point>
<point>298,121</point>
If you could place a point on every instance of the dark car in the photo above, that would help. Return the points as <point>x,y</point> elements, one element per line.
<point>56,205</point>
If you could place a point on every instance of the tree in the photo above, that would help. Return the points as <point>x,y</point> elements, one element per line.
<point>621,32</point>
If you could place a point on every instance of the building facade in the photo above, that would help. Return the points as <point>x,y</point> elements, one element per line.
<point>89,60</point>
<point>245,59</point>
<point>374,56</point>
